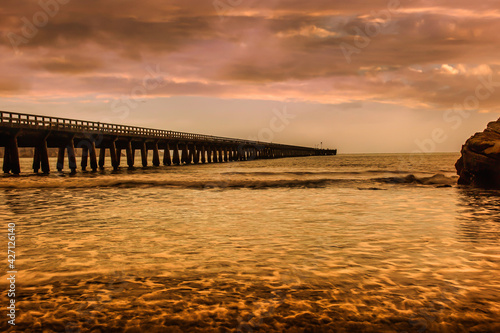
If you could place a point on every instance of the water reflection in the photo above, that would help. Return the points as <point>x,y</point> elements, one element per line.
<point>410,258</point>
<point>478,213</point>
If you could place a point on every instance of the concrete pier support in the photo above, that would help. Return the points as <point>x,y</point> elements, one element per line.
<point>156,155</point>
<point>11,157</point>
<point>191,154</point>
<point>185,154</point>
<point>44,157</point>
<point>175,158</point>
<point>60,159</point>
<point>237,153</point>
<point>85,158</point>
<point>196,155</point>
<point>130,155</point>
<point>203,157</point>
<point>6,160</point>
<point>221,155</point>
<point>226,159</point>
<point>215,155</point>
<point>71,156</point>
<point>36,160</point>
<point>250,154</point>
<point>119,155</point>
<point>167,160</point>
<point>113,154</point>
<point>209,154</point>
<point>93,156</point>
<point>102,157</point>
<point>144,154</point>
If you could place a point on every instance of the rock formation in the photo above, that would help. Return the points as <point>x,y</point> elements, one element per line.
<point>479,164</point>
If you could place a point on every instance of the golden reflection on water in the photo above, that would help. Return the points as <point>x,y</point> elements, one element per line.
<point>333,258</point>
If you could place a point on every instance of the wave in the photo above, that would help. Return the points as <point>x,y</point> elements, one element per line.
<point>209,184</point>
<point>47,183</point>
<point>438,179</point>
<point>319,173</point>
<point>250,180</point>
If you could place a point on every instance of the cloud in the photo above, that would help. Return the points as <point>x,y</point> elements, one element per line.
<point>10,86</point>
<point>68,65</point>
<point>259,49</point>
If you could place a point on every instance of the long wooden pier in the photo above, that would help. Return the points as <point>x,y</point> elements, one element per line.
<point>96,140</point>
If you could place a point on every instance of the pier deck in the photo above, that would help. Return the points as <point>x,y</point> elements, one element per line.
<point>96,140</point>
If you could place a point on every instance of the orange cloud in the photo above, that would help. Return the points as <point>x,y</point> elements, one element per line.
<point>259,49</point>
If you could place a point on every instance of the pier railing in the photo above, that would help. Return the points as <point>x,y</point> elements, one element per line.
<point>20,120</point>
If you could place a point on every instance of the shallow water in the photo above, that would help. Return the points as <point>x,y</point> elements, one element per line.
<point>340,243</point>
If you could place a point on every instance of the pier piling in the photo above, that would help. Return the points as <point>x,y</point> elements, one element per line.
<point>6,160</point>
<point>190,154</point>
<point>36,160</point>
<point>156,155</point>
<point>184,156</point>
<point>196,155</point>
<point>118,155</point>
<point>144,154</point>
<point>60,159</point>
<point>44,157</point>
<point>93,156</point>
<point>85,158</point>
<point>176,159</point>
<point>102,157</point>
<point>15,165</point>
<point>209,154</point>
<point>71,156</point>
<point>203,157</point>
<point>114,158</point>
<point>130,154</point>
<point>167,160</point>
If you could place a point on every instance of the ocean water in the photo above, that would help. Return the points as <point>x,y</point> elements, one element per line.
<point>347,243</point>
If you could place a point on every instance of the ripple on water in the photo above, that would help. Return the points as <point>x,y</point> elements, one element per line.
<point>409,258</point>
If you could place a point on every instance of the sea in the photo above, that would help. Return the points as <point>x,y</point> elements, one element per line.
<point>346,243</point>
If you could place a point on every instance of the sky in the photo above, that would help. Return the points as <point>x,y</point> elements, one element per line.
<point>378,76</point>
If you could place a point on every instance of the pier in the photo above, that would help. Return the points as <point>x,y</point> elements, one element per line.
<point>97,141</point>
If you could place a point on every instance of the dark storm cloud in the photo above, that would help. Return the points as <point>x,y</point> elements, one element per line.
<point>269,48</point>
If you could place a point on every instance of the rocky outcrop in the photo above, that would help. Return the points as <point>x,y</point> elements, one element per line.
<point>479,164</point>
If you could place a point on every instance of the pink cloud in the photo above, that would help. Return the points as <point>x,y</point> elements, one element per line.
<point>275,50</point>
